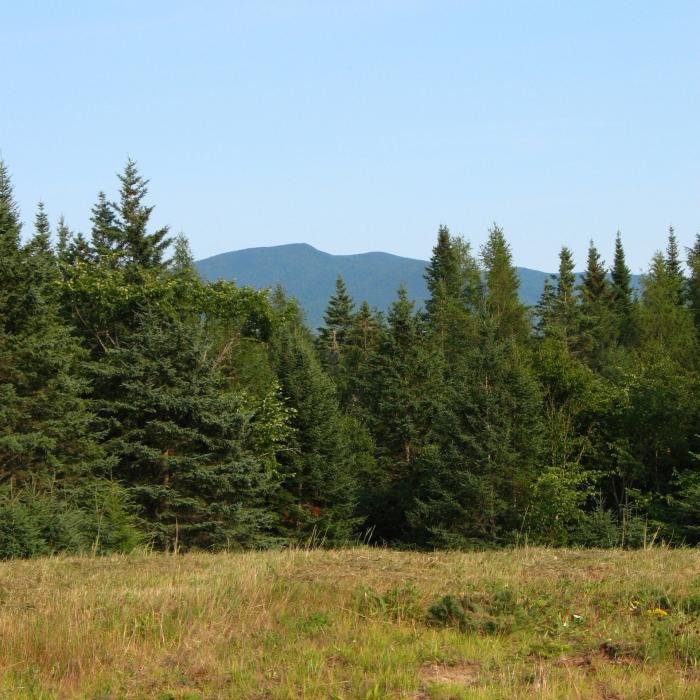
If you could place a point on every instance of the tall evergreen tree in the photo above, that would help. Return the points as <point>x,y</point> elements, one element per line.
<point>694,280</point>
<point>674,266</point>
<point>622,292</point>
<point>141,249</point>
<point>454,284</point>
<point>502,283</point>
<point>664,325</point>
<point>338,323</point>
<point>597,316</point>
<point>181,439</point>
<point>49,451</point>
<point>321,468</point>
<point>107,242</point>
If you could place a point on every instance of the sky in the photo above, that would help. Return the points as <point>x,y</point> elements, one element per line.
<point>363,125</point>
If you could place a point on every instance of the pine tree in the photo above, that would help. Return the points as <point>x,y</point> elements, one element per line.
<point>131,218</point>
<point>597,315</point>
<point>673,265</point>
<point>49,452</point>
<point>338,322</point>
<point>181,439</point>
<point>622,293</point>
<point>321,484</point>
<point>694,280</point>
<point>454,284</point>
<point>107,241</point>
<point>665,327</point>
<point>502,283</point>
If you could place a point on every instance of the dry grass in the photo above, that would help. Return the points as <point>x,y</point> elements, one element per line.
<point>350,624</point>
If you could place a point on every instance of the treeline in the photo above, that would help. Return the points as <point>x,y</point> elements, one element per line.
<point>143,406</point>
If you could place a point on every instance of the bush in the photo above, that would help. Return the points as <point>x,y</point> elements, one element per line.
<point>38,522</point>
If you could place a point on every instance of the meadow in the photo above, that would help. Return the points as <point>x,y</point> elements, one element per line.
<point>359,623</point>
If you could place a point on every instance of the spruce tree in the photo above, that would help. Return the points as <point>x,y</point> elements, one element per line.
<point>673,265</point>
<point>502,283</point>
<point>665,326</point>
<point>566,303</point>
<point>49,451</point>
<point>181,439</point>
<point>107,242</point>
<point>694,280</point>
<point>622,292</point>
<point>455,294</point>
<point>338,322</point>
<point>545,309</point>
<point>321,467</point>
<point>141,249</point>
<point>597,316</point>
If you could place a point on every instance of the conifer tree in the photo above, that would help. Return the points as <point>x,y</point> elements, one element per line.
<point>566,308</point>
<point>141,249</point>
<point>694,280</point>
<point>622,292</point>
<point>49,451</point>
<point>107,242</point>
<point>664,325</point>
<point>545,309</point>
<point>454,284</point>
<point>335,333</point>
<point>597,316</point>
<point>321,469</point>
<point>673,265</point>
<point>442,274</point>
<point>502,285</point>
<point>181,439</point>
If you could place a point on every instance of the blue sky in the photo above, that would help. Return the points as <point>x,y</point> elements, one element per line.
<point>359,126</point>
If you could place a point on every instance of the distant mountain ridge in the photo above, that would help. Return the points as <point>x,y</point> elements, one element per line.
<point>309,275</point>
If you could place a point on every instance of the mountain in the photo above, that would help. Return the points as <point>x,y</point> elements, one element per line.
<point>309,275</point>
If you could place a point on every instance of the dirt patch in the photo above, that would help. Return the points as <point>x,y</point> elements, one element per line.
<point>464,673</point>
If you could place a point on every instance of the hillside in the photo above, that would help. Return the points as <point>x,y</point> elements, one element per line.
<point>309,275</point>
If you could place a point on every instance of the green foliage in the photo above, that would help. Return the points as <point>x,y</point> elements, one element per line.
<point>140,403</point>
<point>493,611</point>
<point>182,440</point>
<point>94,518</point>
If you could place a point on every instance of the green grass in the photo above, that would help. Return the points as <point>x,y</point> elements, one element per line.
<point>360,623</point>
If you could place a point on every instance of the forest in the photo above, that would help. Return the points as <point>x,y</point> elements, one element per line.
<point>141,406</point>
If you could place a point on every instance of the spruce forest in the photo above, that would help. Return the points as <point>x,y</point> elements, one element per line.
<point>141,406</point>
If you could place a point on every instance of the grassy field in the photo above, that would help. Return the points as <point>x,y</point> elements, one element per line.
<point>360,623</point>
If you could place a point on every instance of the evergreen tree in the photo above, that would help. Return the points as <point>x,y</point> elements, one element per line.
<point>664,325</point>
<point>321,469</point>
<point>139,248</point>
<point>694,280</point>
<point>545,309</point>
<point>335,333</point>
<point>474,485</point>
<point>502,285</point>
<point>673,265</point>
<point>622,292</point>
<point>454,283</point>
<point>442,274</point>
<point>49,454</point>
<point>107,243</point>
<point>181,439</point>
<point>597,315</point>
<point>567,311</point>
